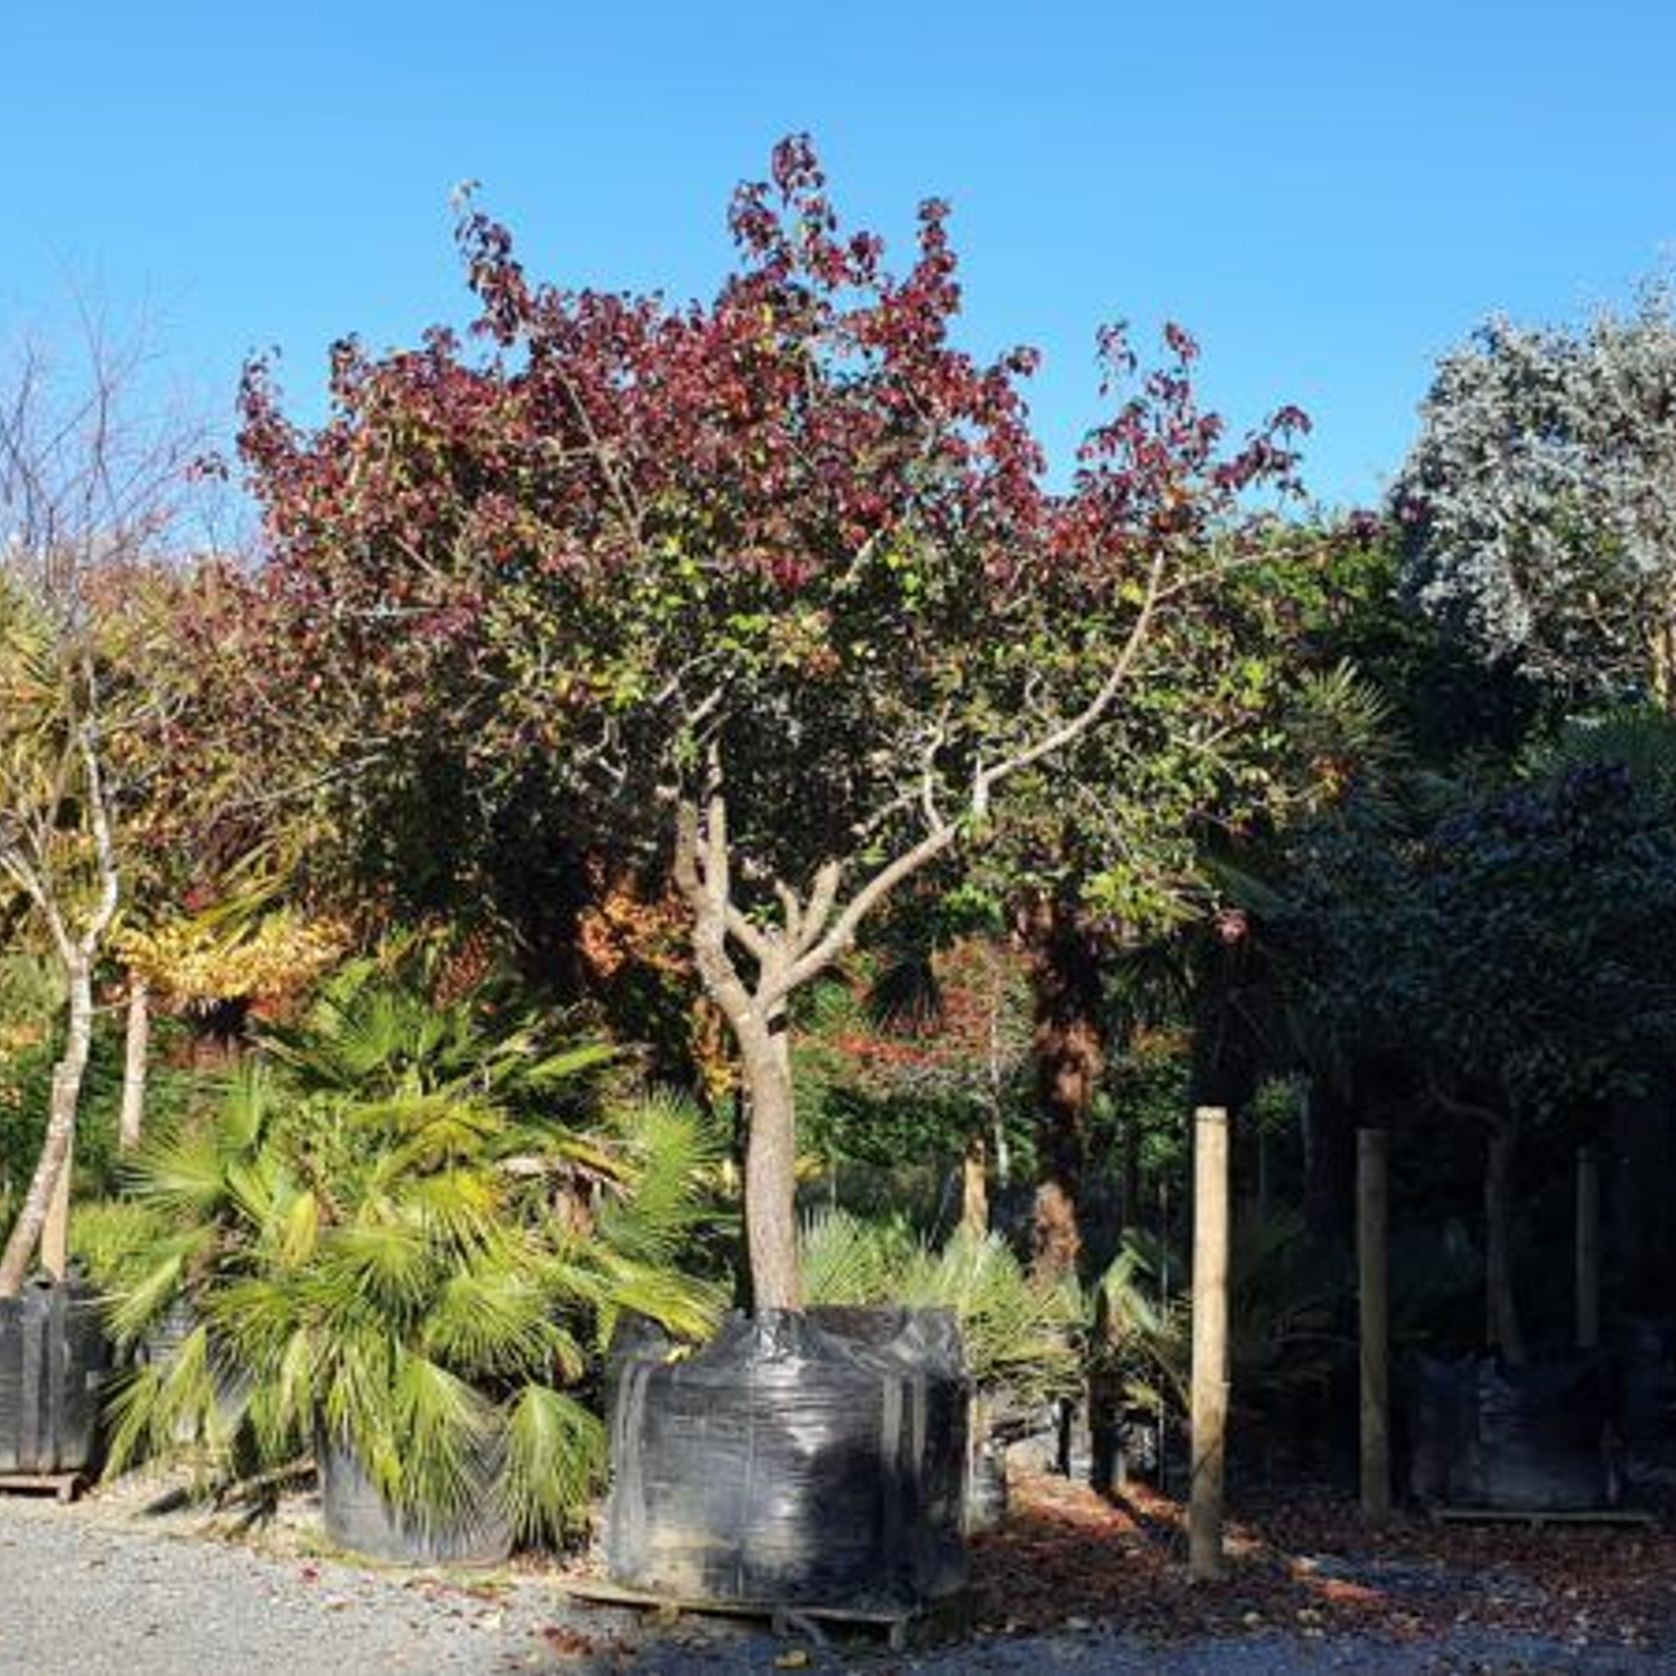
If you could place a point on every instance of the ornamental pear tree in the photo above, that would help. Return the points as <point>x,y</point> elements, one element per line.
<point>772,587</point>
<point>1539,503</point>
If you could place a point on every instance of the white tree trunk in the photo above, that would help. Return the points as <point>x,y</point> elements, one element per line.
<point>137,1042</point>
<point>61,1127</point>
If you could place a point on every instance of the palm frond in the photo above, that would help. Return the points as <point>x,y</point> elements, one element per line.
<point>846,1260</point>
<point>554,1457</point>
<point>671,1149</point>
<point>445,1426</point>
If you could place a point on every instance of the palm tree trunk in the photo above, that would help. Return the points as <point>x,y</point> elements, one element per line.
<point>1069,1049</point>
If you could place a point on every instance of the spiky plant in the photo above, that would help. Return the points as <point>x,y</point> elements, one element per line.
<point>412,1234</point>
<point>1642,740</point>
<point>848,1259</point>
<point>1284,1304</point>
<point>1140,1339</point>
<point>1020,1335</point>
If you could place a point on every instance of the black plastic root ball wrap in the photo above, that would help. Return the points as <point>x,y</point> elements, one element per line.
<point>1514,1439</point>
<point>53,1362</point>
<point>358,1517</point>
<point>814,1459</point>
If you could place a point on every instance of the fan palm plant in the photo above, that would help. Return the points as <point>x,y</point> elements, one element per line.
<point>409,1236</point>
<point>1020,1334</point>
<point>1284,1306</point>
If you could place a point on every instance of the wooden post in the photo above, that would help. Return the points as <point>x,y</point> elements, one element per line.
<point>1373,1291</point>
<point>1588,1249</point>
<point>1502,1331</point>
<point>1210,1341</point>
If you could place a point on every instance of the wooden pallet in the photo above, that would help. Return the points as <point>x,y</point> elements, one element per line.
<point>902,1628</point>
<point>1634,1517</point>
<point>65,1486</point>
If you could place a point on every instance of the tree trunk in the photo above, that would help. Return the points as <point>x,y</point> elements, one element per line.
<point>1588,1249</point>
<point>1210,1342</point>
<point>1003,1152</point>
<point>1130,1187</point>
<point>974,1187</point>
<point>770,1169</point>
<point>61,1124</point>
<point>1661,658</point>
<point>55,1231</point>
<point>1501,1309</point>
<point>1329,1167</point>
<point>1641,1145</point>
<point>131,1120</point>
<point>1373,1277</point>
<point>1069,1051</point>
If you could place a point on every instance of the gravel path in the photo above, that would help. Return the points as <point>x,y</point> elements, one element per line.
<point>90,1592</point>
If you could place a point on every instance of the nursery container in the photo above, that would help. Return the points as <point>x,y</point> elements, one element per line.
<point>815,1459</point>
<point>1514,1439</point>
<point>359,1518</point>
<point>53,1361</point>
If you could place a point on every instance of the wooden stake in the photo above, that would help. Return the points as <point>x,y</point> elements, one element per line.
<point>1502,1330</point>
<point>1373,1277</point>
<point>1210,1341</point>
<point>1588,1249</point>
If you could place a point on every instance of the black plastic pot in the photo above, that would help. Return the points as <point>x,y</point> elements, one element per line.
<point>986,1486</point>
<point>815,1459</point>
<point>54,1358</point>
<point>1514,1439</point>
<point>357,1517</point>
<point>1644,1349</point>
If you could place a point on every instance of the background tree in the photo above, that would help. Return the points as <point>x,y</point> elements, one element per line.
<point>1495,959</point>
<point>771,583</point>
<point>92,493</point>
<point>916,1056</point>
<point>1539,504</point>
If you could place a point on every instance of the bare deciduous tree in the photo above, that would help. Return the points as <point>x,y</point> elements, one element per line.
<point>93,488</point>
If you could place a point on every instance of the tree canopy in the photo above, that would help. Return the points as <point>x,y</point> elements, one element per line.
<point>1539,503</point>
<point>772,584</point>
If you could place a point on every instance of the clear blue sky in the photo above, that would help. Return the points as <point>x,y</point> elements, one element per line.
<point>1327,194</point>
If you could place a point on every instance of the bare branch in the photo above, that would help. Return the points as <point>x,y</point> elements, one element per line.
<point>822,898</point>
<point>842,933</point>
<point>104,845</point>
<point>749,937</point>
<point>1067,733</point>
<point>813,957</point>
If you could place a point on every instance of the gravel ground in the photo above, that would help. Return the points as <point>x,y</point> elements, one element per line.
<point>95,1591</point>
